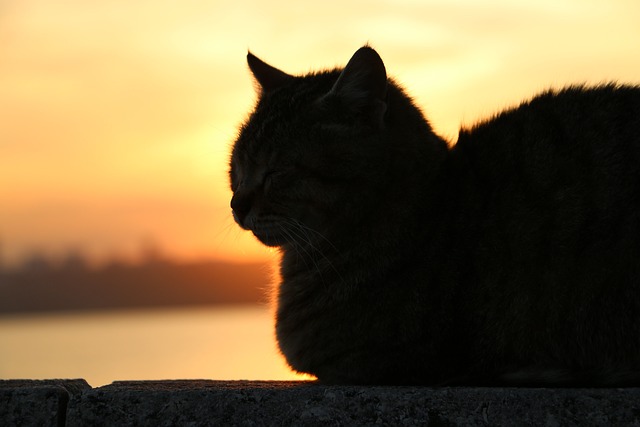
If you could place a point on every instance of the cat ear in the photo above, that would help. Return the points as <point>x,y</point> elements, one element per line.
<point>266,76</point>
<point>363,84</point>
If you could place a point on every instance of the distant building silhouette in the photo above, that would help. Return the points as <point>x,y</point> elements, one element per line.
<point>74,284</point>
<point>74,260</point>
<point>36,262</point>
<point>151,253</point>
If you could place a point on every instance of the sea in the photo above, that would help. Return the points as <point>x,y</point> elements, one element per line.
<point>217,342</point>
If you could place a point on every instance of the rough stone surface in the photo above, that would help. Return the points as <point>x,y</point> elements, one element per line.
<point>195,403</point>
<point>256,403</point>
<point>37,403</point>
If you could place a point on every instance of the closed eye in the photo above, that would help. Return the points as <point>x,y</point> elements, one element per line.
<point>269,177</point>
<point>275,176</point>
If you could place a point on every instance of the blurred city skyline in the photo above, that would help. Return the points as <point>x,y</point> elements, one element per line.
<point>148,251</point>
<point>74,283</point>
<point>116,117</point>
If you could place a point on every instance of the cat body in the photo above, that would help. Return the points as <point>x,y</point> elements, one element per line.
<point>511,257</point>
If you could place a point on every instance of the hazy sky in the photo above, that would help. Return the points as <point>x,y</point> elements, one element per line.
<point>116,116</point>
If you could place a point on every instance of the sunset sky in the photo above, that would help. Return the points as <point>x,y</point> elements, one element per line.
<point>116,117</point>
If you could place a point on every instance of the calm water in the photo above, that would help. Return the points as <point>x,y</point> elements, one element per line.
<point>212,343</point>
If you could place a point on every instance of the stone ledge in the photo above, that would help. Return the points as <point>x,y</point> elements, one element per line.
<point>37,402</point>
<point>251,403</point>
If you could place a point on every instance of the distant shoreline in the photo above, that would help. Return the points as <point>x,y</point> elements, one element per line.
<point>154,284</point>
<point>18,315</point>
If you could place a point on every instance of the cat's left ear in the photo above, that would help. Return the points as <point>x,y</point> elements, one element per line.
<point>363,85</point>
<point>266,76</point>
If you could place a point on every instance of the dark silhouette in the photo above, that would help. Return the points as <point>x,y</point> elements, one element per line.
<point>511,257</point>
<point>40,285</point>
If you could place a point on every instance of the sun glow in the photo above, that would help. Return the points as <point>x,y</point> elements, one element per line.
<point>130,108</point>
<point>117,117</point>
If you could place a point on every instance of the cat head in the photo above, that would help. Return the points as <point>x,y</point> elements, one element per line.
<point>308,160</point>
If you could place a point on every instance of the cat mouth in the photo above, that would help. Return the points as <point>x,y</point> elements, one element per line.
<point>270,239</point>
<point>275,231</point>
<point>270,232</point>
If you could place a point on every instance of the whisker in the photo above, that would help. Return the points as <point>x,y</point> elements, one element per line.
<point>305,231</point>
<point>317,233</point>
<point>295,233</point>
<point>292,239</point>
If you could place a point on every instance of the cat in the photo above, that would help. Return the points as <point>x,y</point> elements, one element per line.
<point>510,257</point>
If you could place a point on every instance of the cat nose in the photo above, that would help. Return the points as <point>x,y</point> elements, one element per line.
<point>240,206</point>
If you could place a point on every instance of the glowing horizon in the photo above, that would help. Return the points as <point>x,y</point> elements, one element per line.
<point>116,117</point>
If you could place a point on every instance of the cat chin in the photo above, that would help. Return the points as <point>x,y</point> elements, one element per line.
<point>270,240</point>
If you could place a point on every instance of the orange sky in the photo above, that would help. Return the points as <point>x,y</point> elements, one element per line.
<point>116,117</point>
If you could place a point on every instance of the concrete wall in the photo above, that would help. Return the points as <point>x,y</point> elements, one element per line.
<point>254,403</point>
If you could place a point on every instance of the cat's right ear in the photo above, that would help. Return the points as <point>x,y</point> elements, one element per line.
<point>267,77</point>
<point>363,85</point>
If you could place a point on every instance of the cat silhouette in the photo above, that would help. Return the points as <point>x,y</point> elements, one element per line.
<point>509,257</point>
